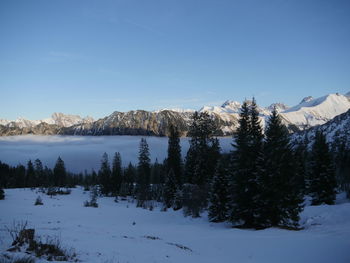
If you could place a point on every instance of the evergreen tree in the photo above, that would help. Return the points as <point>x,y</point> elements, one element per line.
<point>128,180</point>
<point>39,173</point>
<point>117,174</point>
<point>156,173</point>
<point>200,159</point>
<point>219,195</point>
<point>301,166</point>
<point>322,173</point>
<point>143,174</point>
<point>169,189</point>
<point>59,173</point>
<point>247,169</point>
<point>104,175</point>
<point>281,191</point>
<point>30,175</point>
<point>174,161</point>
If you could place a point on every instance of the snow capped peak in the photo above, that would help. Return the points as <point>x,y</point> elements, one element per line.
<point>317,111</point>
<point>175,110</point>
<point>347,95</point>
<point>231,104</point>
<point>67,120</point>
<point>306,99</point>
<point>279,107</point>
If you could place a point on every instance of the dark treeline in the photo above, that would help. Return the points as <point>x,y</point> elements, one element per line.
<point>261,183</point>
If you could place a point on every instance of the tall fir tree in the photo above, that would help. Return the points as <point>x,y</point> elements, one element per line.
<point>143,174</point>
<point>247,169</point>
<point>322,173</point>
<point>170,187</point>
<point>204,151</point>
<point>104,175</point>
<point>59,173</point>
<point>219,194</point>
<point>39,173</point>
<point>174,161</point>
<point>281,189</point>
<point>117,174</point>
<point>30,175</point>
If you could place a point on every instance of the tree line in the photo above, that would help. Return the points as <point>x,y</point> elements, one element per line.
<point>261,183</point>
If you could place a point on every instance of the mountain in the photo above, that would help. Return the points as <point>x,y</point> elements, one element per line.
<point>308,113</point>
<point>311,112</point>
<point>336,130</point>
<point>57,118</point>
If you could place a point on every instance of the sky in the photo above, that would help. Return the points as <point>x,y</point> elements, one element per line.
<point>95,57</point>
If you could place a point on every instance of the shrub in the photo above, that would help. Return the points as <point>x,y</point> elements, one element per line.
<point>38,201</point>
<point>24,241</point>
<point>93,198</point>
<point>57,191</point>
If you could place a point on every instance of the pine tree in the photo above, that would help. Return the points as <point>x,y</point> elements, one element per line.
<point>200,159</point>
<point>143,174</point>
<point>128,181</point>
<point>247,169</point>
<point>169,189</point>
<point>30,175</point>
<point>322,173</point>
<point>174,161</point>
<point>219,195</point>
<point>59,173</point>
<point>117,174</point>
<point>281,191</point>
<point>39,173</point>
<point>104,175</point>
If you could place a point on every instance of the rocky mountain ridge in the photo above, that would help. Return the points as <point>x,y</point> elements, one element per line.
<point>308,113</point>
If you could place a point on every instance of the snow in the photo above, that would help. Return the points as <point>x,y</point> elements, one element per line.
<point>85,152</point>
<point>317,111</point>
<point>107,233</point>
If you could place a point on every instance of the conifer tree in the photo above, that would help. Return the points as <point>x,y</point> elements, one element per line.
<point>200,159</point>
<point>174,161</point>
<point>104,175</point>
<point>117,174</point>
<point>30,175</point>
<point>169,189</point>
<point>59,173</point>
<point>281,190</point>
<point>247,169</point>
<point>143,174</point>
<point>219,195</point>
<point>129,179</point>
<point>39,173</point>
<point>322,173</point>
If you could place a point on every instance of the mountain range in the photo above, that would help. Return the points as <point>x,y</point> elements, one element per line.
<point>308,113</point>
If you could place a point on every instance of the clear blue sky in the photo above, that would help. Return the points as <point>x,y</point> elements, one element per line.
<point>95,57</point>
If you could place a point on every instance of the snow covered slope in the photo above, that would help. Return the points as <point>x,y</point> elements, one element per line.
<point>336,130</point>
<point>120,232</point>
<point>311,112</point>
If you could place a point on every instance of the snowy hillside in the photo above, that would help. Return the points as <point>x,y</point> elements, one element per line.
<point>311,112</point>
<point>120,232</point>
<point>336,130</point>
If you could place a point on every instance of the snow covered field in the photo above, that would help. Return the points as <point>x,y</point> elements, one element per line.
<point>107,233</point>
<point>84,152</point>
